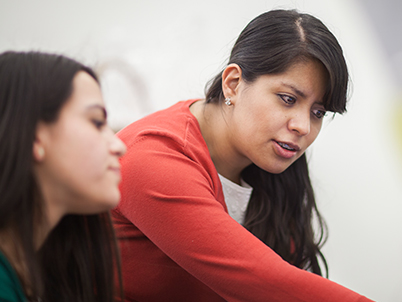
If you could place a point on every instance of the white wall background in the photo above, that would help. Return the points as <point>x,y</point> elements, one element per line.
<point>153,53</point>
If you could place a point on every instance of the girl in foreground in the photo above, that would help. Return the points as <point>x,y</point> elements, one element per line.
<point>217,203</point>
<point>59,177</point>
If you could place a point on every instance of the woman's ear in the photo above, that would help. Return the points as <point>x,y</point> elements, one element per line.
<point>231,78</point>
<point>38,149</point>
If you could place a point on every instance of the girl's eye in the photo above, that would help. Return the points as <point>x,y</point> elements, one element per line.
<point>319,113</point>
<point>99,123</point>
<point>287,99</point>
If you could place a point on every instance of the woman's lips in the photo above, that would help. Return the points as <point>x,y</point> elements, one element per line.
<point>115,169</point>
<point>286,149</point>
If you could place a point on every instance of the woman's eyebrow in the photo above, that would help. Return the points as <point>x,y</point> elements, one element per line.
<point>295,90</point>
<point>300,93</point>
<point>97,106</point>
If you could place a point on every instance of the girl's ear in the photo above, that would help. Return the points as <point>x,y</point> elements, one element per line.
<point>231,78</point>
<point>38,149</point>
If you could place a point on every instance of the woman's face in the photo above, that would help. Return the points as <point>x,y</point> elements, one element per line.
<point>79,171</point>
<point>275,118</point>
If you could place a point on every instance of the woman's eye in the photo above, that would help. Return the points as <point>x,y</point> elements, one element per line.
<point>287,99</point>
<point>319,113</point>
<point>99,123</point>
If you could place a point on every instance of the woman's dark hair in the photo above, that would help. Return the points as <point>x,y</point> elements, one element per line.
<point>79,260</point>
<point>282,206</point>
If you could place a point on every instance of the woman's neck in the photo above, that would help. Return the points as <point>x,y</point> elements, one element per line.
<point>212,119</point>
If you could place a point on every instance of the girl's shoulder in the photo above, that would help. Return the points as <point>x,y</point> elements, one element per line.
<point>175,122</point>
<point>11,288</point>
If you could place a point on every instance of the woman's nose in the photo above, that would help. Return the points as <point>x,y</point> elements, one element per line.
<point>300,123</point>
<point>117,146</point>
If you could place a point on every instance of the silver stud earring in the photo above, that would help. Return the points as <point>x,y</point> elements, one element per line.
<point>228,102</point>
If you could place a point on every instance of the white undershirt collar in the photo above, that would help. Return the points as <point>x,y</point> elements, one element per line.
<point>236,197</point>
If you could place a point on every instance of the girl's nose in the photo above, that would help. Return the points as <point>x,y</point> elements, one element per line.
<point>300,123</point>
<point>117,146</point>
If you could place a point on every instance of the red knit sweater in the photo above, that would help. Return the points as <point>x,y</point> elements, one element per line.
<point>178,242</point>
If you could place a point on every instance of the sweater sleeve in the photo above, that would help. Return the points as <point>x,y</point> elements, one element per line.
<point>170,197</point>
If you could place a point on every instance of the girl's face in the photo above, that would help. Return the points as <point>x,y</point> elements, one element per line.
<point>275,118</point>
<point>79,171</point>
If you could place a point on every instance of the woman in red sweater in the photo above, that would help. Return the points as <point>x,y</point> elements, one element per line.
<point>217,202</point>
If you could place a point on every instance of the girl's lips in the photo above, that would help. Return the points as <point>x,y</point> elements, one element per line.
<point>115,169</point>
<point>285,149</point>
<point>288,146</point>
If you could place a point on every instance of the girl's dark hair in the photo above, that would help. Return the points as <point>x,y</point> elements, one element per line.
<point>79,260</point>
<point>282,205</point>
